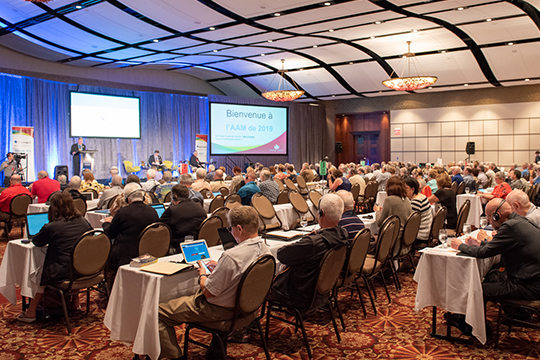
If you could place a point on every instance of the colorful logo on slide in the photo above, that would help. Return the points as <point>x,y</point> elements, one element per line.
<point>276,146</point>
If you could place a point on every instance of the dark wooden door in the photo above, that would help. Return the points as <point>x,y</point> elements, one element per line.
<point>367,147</point>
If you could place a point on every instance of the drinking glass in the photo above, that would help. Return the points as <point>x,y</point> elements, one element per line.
<point>466,230</point>
<point>188,238</point>
<point>208,194</point>
<point>467,190</point>
<point>483,222</point>
<point>303,221</point>
<point>442,237</point>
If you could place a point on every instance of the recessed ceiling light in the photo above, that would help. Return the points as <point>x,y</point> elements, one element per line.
<point>377,22</point>
<point>414,30</point>
<point>350,63</point>
<point>301,69</point>
<point>465,84</point>
<point>78,7</point>
<point>215,50</point>
<point>372,37</point>
<point>443,51</point>
<point>527,79</point>
<point>460,8</point>
<point>335,96</point>
<point>212,28</point>
<point>488,20</point>
<point>270,40</point>
<point>327,4</point>
<point>155,40</point>
<point>330,30</point>
<point>380,92</point>
<point>430,87</point>
<point>314,46</point>
<point>277,14</point>
<point>510,44</point>
<point>263,54</point>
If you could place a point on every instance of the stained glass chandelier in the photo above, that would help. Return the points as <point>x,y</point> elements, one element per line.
<point>281,94</point>
<point>410,83</point>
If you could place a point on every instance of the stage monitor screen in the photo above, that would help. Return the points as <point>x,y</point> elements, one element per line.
<point>104,116</point>
<point>248,129</point>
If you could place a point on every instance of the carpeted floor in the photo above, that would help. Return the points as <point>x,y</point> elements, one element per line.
<point>397,332</point>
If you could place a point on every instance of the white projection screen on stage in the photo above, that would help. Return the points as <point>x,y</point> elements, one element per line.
<point>104,116</point>
<point>248,129</point>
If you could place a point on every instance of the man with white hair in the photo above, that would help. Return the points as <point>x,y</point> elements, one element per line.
<point>187,181</point>
<point>269,188</point>
<point>201,183</point>
<point>349,221</point>
<point>73,188</point>
<point>113,171</point>
<point>383,176</point>
<point>151,184</point>
<point>456,175</point>
<point>126,226</point>
<point>490,173</point>
<point>296,286</point>
<point>62,179</point>
<point>109,194</point>
<point>163,189</point>
<point>519,201</point>
<point>211,172</point>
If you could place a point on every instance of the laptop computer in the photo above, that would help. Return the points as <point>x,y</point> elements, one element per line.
<point>34,223</point>
<point>89,196</point>
<point>194,251</point>
<point>160,208</point>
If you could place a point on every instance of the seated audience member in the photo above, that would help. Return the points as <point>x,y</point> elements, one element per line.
<point>534,179</point>
<point>349,221</point>
<point>113,171</point>
<point>432,180</point>
<point>368,173</point>
<point>482,177</point>
<point>126,226</point>
<point>516,241</point>
<point>201,183</point>
<point>291,173</point>
<point>281,174</point>
<point>237,180</point>
<point>151,183</point>
<point>515,182</point>
<point>65,227</point>
<point>215,299</point>
<point>90,183</point>
<point>62,179</point>
<point>519,201</point>
<point>196,196</point>
<point>109,194</point>
<point>525,169</point>
<point>490,173</point>
<point>355,178</point>
<point>15,188</point>
<point>163,189</point>
<point>420,203</point>
<point>211,173</point>
<point>396,203</point>
<point>269,188</point>
<point>446,197</point>
<point>296,285</point>
<point>183,216</point>
<point>218,182</point>
<point>382,177</point>
<point>250,189</point>
<point>43,187</point>
<point>468,179</point>
<point>307,173</point>
<point>73,189</point>
<point>501,189</point>
<point>337,181</point>
<point>456,175</point>
<point>133,178</point>
<point>272,170</point>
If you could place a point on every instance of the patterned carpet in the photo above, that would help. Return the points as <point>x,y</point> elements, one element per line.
<point>397,332</point>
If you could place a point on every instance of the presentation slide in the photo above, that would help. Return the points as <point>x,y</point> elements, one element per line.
<point>247,129</point>
<point>105,116</point>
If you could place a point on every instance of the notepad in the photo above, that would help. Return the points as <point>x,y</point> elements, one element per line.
<point>166,268</point>
<point>285,234</point>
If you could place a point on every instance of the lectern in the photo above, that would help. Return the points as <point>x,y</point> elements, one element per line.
<point>86,160</point>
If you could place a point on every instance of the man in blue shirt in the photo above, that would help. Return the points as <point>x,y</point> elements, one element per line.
<point>456,172</point>
<point>349,221</point>
<point>250,189</point>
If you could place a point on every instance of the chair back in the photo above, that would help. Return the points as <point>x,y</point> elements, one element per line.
<point>410,232</point>
<point>461,188</point>
<point>128,166</point>
<point>534,192</point>
<point>168,164</point>
<point>356,255</point>
<point>52,194</point>
<point>94,192</point>
<point>454,187</point>
<point>298,202</point>
<point>233,198</point>
<point>355,190</point>
<point>228,177</point>
<point>462,216</point>
<point>438,223</point>
<point>283,198</point>
<point>301,182</point>
<point>155,200</point>
<point>386,238</point>
<point>209,230</point>
<point>19,204</point>
<point>224,190</point>
<point>222,213</point>
<point>280,184</point>
<point>168,197</point>
<point>330,268</point>
<point>232,204</point>
<point>216,203</point>
<point>263,206</point>
<point>205,193</point>
<point>315,196</point>
<point>155,240</point>
<point>255,285</point>
<point>80,205</point>
<point>111,201</point>
<point>290,185</point>
<point>90,254</point>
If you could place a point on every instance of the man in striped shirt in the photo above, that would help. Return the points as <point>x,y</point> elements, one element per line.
<point>349,221</point>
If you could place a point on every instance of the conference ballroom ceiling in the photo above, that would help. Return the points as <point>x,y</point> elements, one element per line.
<point>333,50</point>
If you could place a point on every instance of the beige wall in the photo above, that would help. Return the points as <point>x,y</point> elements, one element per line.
<point>137,78</point>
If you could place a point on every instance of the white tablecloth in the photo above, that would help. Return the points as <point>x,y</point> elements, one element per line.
<point>476,208</point>
<point>370,223</point>
<point>381,196</point>
<point>207,204</point>
<point>22,265</point>
<point>288,216</point>
<point>453,283</point>
<point>94,218</point>
<point>42,208</point>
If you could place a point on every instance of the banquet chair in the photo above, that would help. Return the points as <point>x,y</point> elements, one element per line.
<point>408,239</point>
<point>462,217</point>
<point>169,165</point>
<point>18,207</point>
<point>329,269</point>
<point>80,205</point>
<point>111,201</point>
<point>302,187</point>
<point>461,188</point>
<point>205,193</point>
<point>232,204</point>
<point>51,195</point>
<point>94,193</point>
<point>167,198</point>
<point>89,257</point>
<point>224,190</point>
<point>289,184</point>
<point>233,198</point>
<point>301,207</point>
<point>155,240</point>
<point>266,212</point>
<point>153,196</point>
<point>509,307</point>
<point>356,257</point>
<point>222,213</point>
<point>283,197</point>
<point>534,192</point>
<point>370,195</point>
<point>252,292</point>
<point>228,178</point>
<point>315,197</point>
<point>373,266</point>
<point>130,169</point>
<point>436,225</point>
<point>280,184</point>
<point>217,202</point>
<point>355,190</point>
<point>454,187</point>
<point>209,230</point>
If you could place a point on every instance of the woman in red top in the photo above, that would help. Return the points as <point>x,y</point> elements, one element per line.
<point>500,191</point>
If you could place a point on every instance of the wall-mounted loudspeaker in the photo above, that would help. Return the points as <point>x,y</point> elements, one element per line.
<point>470,148</point>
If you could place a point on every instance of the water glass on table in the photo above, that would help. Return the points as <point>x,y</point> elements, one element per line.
<point>188,238</point>
<point>467,230</point>
<point>443,236</point>
<point>483,222</point>
<point>303,221</point>
<point>467,190</point>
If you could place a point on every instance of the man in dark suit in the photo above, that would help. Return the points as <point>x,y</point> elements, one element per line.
<point>194,161</point>
<point>184,216</point>
<point>75,148</point>
<point>155,160</point>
